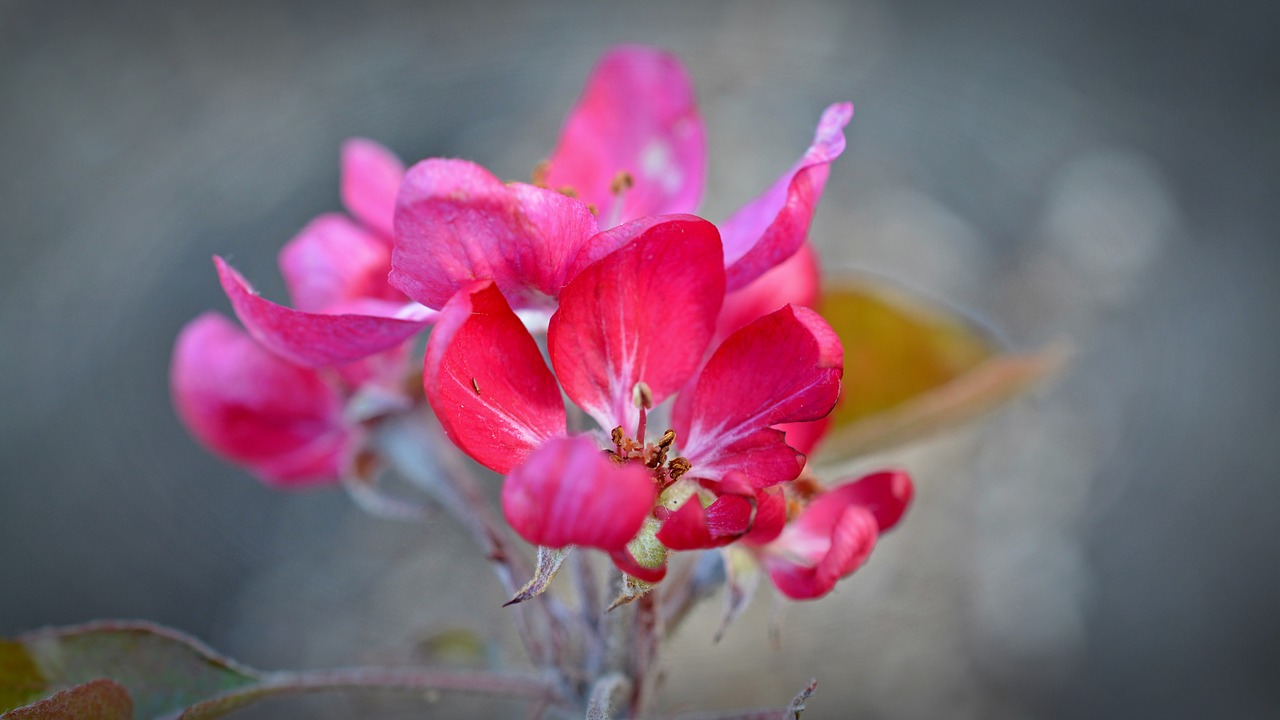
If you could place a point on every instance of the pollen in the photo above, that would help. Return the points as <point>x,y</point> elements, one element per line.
<point>621,182</point>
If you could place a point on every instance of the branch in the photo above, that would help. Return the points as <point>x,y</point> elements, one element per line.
<point>297,683</point>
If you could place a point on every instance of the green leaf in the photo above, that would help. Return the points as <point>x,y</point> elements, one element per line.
<point>163,670</point>
<point>20,679</point>
<point>913,368</point>
<point>94,700</point>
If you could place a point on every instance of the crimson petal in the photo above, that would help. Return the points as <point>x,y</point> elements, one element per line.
<point>321,339</point>
<point>282,421</point>
<point>636,115</point>
<point>807,566</point>
<point>769,229</point>
<point>784,367</point>
<point>487,382</point>
<point>371,176</point>
<point>836,532</point>
<point>794,281</point>
<point>567,492</point>
<point>456,223</point>
<point>645,312</point>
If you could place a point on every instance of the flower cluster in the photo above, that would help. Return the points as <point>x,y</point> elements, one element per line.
<point>691,345</point>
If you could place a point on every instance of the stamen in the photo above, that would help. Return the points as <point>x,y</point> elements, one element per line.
<point>668,437</point>
<point>678,466</point>
<point>618,437</point>
<point>642,397</point>
<point>567,191</point>
<point>621,182</point>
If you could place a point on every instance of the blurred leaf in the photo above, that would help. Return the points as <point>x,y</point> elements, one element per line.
<point>456,646</point>
<point>162,669</point>
<point>95,700</point>
<point>913,368</point>
<point>20,679</point>
<point>169,675</point>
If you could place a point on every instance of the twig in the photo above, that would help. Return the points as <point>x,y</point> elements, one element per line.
<point>295,683</point>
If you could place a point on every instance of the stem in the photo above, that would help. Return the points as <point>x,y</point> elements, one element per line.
<point>442,473</point>
<point>297,683</point>
<point>603,694</point>
<point>644,652</point>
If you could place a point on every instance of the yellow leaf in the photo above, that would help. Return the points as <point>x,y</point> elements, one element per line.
<point>912,368</point>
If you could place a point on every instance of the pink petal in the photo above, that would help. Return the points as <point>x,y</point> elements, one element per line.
<point>694,527</point>
<point>568,492</point>
<point>636,115</point>
<point>885,494</point>
<point>646,312</point>
<point>316,339</point>
<point>456,223</point>
<point>771,516</point>
<point>805,566</point>
<point>281,421</point>
<point>794,281</point>
<point>371,176</point>
<point>805,436</point>
<point>770,228</point>
<point>784,367</point>
<point>334,261</point>
<point>487,382</point>
<point>836,533</point>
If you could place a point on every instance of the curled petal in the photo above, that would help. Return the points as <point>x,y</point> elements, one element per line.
<point>794,282</point>
<point>694,527</point>
<point>321,339</point>
<point>335,261</point>
<point>645,312</point>
<point>784,367</point>
<point>767,230</point>
<point>771,516</point>
<point>371,176</point>
<point>637,115</point>
<point>456,223</point>
<point>805,436</point>
<point>806,565</point>
<point>487,383</point>
<point>282,421</point>
<point>567,492</point>
<point>836,532</point>
<point>885,494</point>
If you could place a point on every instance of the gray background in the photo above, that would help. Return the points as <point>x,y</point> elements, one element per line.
<point>1107,547</point>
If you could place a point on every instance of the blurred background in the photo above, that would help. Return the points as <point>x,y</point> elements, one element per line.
<point>1107,546</point>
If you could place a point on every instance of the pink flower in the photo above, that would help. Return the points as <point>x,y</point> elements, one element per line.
<point>631,149</point>
<point>633,324</point>
<point>283,422</point>
<point>280,405</point>
<point>835,533</point>
<point>634,146</point>
<point>336,272</point>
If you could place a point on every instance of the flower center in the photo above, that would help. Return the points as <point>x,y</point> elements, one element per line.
<point>655,455</point>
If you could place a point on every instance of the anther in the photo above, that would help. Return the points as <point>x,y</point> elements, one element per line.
<point>617,436</point>
<point>678,467</point>
<point>667,438</point>
<point>642,397</point>
<point>621,182</point>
